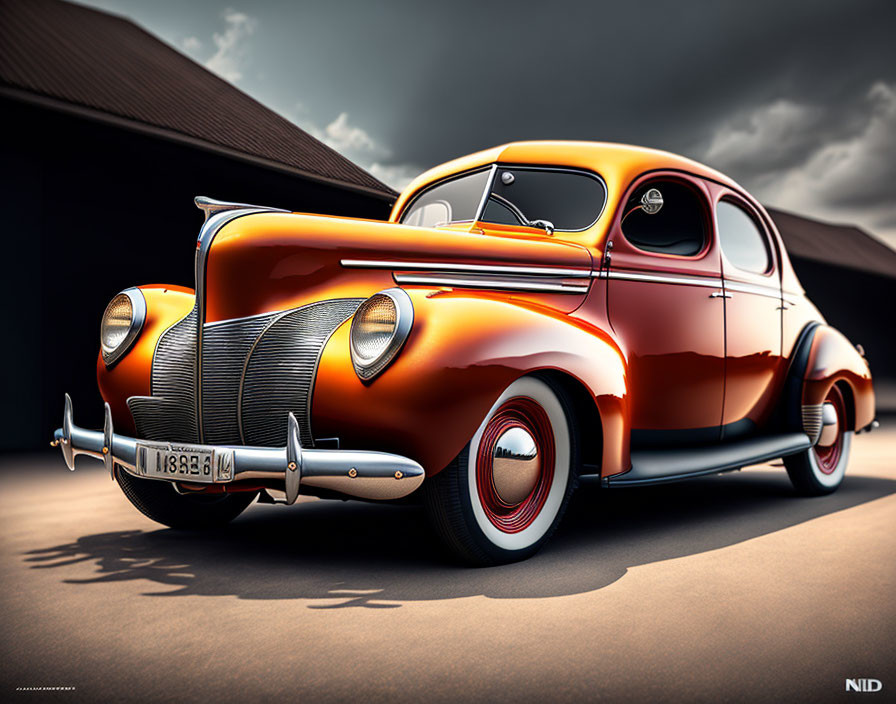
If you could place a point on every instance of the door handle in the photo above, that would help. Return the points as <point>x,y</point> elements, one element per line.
<point>720,294</point>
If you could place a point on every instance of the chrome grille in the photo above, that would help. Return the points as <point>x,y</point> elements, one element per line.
<point>254,371</point>
<point>170,413</point>
<point>281,368</point>
<point>225,347</point>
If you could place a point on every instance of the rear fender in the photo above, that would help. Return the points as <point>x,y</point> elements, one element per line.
<point>833,359</point>
<point>465,348</point>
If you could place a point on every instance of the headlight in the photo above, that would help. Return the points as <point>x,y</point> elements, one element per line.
<point>379,329</point>
<point>122,322</point>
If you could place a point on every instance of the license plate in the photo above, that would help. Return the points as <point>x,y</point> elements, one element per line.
<point>185,462</point>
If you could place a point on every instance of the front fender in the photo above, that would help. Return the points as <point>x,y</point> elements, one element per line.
<point>833,359</point>
<point>464,350</point>
<point>132,374</point>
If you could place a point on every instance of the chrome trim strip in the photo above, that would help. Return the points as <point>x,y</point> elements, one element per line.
<point>215,323</point>
<point>742,287</point>
<point>483,201</point>
<point>658,278</point>
<point>217,214</point>
<point>757,289</point>
<point>364,474</point>
<point>451,267</point>
<point>138,317</point>
<point>507,284</point>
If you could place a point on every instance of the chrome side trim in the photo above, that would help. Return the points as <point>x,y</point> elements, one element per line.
<point>757,289</point>
<point>217,214</point>
<point>452,267</point>
<point>364,474</point>
<point>709,282</point>
<point>490,283</point>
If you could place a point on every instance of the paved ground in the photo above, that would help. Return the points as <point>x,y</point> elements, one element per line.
<point>724,589</point>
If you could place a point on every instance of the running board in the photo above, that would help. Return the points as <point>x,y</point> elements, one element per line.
<point>669,465</point>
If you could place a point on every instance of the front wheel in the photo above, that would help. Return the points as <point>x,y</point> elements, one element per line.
<point>159,501</point>
<point>820,469</point>
<point>501,498</point>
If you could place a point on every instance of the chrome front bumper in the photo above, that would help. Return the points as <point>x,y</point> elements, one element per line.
<point>362,474</point>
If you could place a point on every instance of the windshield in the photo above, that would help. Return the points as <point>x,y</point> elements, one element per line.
<point>456,200</point>
<point>528,196</point>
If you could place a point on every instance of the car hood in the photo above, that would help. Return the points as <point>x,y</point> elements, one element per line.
<point>273,261</point>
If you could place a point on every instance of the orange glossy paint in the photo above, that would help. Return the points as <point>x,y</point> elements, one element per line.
<point>273,261</point>
<point>464,350</point>
<point>649,355</point>
<point>131,375</point>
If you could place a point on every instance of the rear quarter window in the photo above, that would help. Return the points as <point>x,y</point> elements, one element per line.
<point>741,238</point>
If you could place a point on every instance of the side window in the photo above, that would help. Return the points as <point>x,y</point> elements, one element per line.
<point>742,241</point>
<point>678,228</point>
<point>569,200</point>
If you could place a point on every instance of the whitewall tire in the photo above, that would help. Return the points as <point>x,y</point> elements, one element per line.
<point>505,493</point>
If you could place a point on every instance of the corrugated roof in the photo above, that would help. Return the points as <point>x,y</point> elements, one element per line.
<point>839,245</point>
<point>98,62</point>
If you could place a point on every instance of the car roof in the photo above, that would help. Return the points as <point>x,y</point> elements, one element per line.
<point>618,164</point>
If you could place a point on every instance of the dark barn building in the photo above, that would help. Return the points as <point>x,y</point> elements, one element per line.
<point>108,135</point>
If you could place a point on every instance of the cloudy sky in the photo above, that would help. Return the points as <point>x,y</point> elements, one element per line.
<point>796,100</point>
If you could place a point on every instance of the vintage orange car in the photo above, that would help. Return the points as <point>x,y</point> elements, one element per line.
<point>528,315</point>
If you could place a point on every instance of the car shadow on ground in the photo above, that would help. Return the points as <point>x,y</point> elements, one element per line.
<point>378,556</point>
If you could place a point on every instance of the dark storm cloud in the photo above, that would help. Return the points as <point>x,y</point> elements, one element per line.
<point>763,90</point>
<point>658,73</point>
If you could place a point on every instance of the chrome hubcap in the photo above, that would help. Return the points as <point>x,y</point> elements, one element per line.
<point>516,466</point>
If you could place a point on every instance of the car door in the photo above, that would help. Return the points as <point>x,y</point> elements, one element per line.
<point>664,300</point>
<point>751,273</point>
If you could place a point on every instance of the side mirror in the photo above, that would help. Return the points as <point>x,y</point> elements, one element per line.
<point>652,201</point>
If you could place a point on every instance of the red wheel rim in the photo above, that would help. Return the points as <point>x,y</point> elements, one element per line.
<point>518,412</point>
<point>829,457</point>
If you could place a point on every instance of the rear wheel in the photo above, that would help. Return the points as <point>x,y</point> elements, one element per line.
<point>820,469</point>
<point>505,493</point>
<point>159,501</point>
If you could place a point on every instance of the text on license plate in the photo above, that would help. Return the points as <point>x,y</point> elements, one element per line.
<point>176,462</point>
